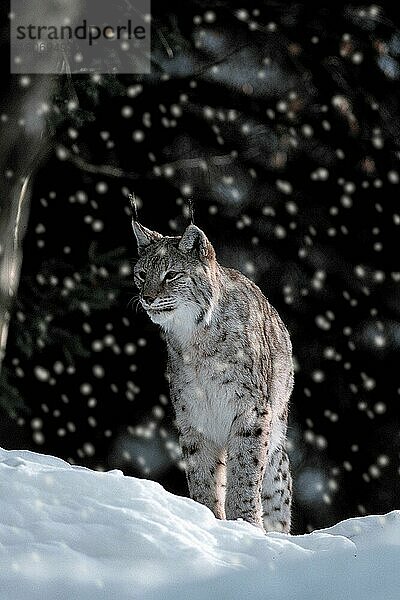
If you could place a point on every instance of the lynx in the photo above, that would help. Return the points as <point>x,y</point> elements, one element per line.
<point>231,375</point>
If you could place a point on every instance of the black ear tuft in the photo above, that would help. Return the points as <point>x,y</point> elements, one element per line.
<point>132,202</point>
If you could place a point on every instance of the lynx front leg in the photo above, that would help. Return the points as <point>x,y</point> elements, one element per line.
<point>247,451</point>
<point>205,471</point>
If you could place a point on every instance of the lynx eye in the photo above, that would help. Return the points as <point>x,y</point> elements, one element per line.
<point>141,275</point>
<point>171,275</point>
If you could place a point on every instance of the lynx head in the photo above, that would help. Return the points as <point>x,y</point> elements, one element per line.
<point>175,276</point>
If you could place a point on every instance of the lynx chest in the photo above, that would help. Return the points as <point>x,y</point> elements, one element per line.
<point>204,395</point>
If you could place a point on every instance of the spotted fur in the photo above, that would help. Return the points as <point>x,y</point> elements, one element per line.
<point>231,376</point>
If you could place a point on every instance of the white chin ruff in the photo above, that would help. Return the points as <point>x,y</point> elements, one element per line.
<point>162,317</point>
<point>181,321</point>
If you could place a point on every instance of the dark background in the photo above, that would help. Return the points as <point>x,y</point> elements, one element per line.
<point>281,121</point>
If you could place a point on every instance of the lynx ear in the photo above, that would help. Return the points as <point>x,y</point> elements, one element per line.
<point>195,240</point>
<point>144,236</point>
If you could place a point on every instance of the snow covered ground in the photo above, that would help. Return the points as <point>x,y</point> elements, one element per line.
<point>69,533</point>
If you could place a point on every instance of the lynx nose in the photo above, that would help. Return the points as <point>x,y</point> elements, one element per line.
<point>149,299</point>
